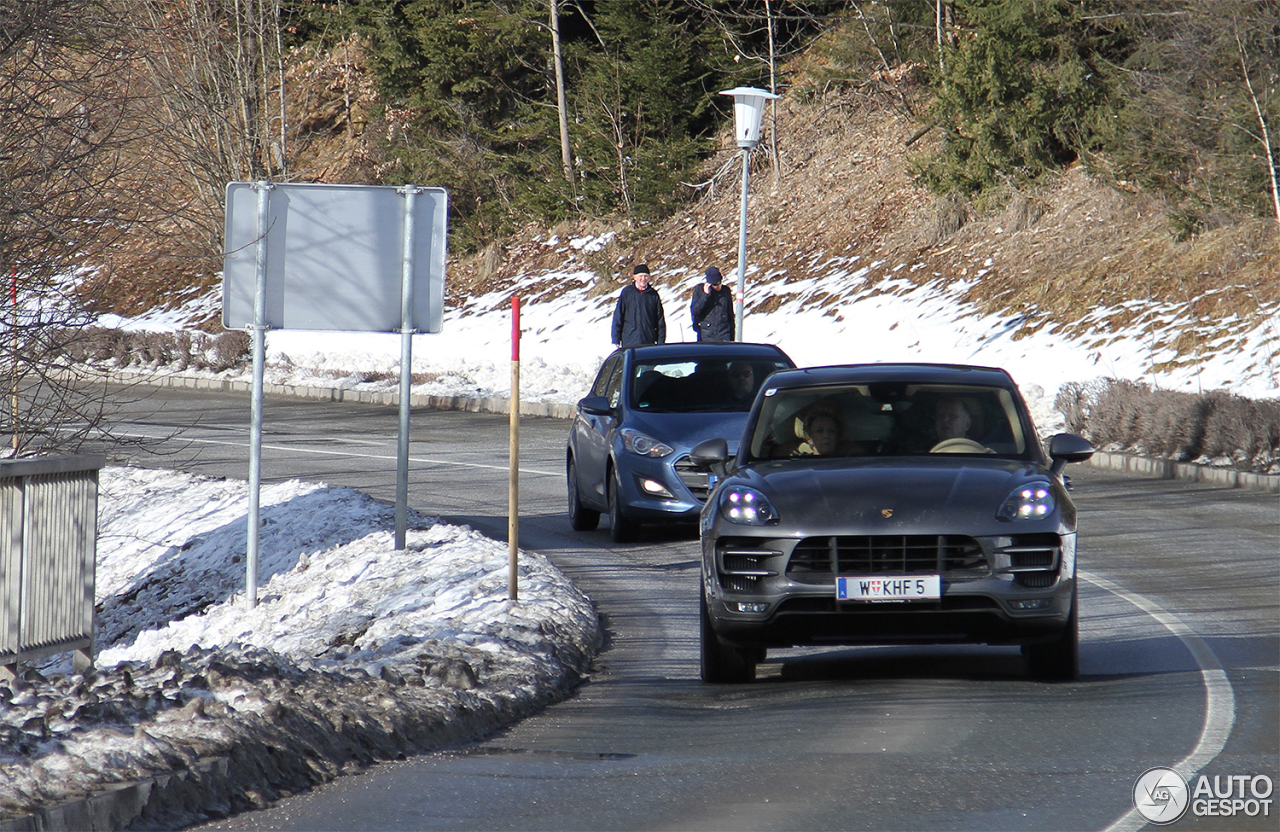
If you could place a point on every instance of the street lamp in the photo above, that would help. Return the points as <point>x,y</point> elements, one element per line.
<point>748,109</point>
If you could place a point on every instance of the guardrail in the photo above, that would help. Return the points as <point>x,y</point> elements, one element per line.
<point>48,556</point>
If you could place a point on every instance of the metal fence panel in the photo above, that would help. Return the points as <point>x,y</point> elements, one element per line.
<point>48,550</point>
<point>10,562</point>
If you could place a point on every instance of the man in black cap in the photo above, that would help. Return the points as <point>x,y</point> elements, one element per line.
<point>712,308</point>
<point>638,318</point>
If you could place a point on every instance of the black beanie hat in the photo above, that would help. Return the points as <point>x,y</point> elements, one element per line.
<point>643,268</point>
<point>713,276</point>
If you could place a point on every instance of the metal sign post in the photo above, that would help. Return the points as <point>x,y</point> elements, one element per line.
<point>259,330</point>
<point>406,368</point>
<point>513,481</point>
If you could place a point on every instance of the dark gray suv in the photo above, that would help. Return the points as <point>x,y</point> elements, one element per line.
<point>888,504</point>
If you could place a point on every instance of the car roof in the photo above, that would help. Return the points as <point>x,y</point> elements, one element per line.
<point>703,349</point>
<point>908,373</point>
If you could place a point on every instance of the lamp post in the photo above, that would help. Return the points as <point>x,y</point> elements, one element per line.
<point>748,109</point>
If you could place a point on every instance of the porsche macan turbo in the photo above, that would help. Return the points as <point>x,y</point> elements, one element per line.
<point>888,504</point>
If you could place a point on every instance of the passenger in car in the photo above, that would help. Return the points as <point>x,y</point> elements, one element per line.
<point>823,435</point>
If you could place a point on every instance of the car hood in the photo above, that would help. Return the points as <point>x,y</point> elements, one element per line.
<point>684,430</point>
<point>916,495</point>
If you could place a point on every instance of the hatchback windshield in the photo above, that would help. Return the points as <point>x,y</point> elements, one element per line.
<point>888,419</point>
<point>699,385</point>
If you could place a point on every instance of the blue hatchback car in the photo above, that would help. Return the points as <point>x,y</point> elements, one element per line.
<point>628,449</point>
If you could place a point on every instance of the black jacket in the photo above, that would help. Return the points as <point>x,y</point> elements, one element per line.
<point>638,318</point>
<point>712,313</point>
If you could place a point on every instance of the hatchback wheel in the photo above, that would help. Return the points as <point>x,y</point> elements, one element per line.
<point>621,529</point>
<point>581,518</point>
<point>722,664</point>
<point>1058,660</point>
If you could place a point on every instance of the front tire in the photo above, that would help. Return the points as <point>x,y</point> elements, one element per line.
<point>581,518</point>
<point>721,663</point>
<point>621,529</point>
<point>1058,660</point>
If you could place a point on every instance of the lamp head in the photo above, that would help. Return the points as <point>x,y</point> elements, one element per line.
<point>748,110</point>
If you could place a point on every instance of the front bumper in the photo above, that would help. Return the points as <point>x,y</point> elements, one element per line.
<point>683,489</point>
<point>1011,589</point>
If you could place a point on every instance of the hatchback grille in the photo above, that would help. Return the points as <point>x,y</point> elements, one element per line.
<point>698,482</point>
<point>819,559</point>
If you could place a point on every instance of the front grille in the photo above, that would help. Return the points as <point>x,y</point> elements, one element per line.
<point>739,583</point>
<point>1033,559</point>
<point>743,569</point>
<point>698,482</point>
<point>1033,551</point>
<point>954,557</point>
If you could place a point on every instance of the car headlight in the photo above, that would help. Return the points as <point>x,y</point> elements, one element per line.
<point>739,504</point>
<point>643,444</point>
<point>1033,501</point>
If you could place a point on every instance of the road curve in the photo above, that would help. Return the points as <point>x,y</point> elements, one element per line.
<point>1180,638</point>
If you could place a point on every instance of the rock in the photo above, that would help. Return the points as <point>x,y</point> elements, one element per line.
<point>456,674</point>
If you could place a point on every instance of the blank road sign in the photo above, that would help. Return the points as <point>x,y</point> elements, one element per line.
<point>335,257</point>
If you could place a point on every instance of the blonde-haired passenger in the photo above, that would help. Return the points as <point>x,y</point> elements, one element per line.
<point>824,435</point>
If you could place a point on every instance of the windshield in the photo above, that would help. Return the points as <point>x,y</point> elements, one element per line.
<point>700,385</point>
<point>888,419</point>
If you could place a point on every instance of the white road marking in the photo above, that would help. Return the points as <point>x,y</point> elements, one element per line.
<point>1220,700</point>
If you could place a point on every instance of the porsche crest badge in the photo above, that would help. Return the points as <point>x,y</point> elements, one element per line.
<point>886,513</point>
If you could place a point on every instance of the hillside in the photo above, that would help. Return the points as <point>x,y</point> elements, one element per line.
<point>842,187</point>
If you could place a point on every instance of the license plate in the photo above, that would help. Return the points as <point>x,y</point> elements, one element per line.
<point>889,588</point>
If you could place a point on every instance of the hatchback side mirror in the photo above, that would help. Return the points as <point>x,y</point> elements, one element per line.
<point>595,405</point>
<point>1067,447</point>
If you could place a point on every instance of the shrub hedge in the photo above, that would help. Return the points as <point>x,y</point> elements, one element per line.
<point>183,350</point>
<point>1216,428</point>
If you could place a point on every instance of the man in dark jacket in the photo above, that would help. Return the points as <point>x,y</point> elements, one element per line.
<point>638,318</point>
<point>712,308</point>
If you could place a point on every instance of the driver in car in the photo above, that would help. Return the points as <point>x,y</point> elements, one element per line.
<point>952,420</point>
<point>951,423</point>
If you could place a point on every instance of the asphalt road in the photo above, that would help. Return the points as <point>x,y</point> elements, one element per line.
<point>1180,646</point>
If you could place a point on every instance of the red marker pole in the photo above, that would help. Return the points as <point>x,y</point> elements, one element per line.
<point>513,490</point>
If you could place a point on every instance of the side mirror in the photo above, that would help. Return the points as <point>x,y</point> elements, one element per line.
<point>595,405</point>
<point>710,455</point>
<point>1067,447</point>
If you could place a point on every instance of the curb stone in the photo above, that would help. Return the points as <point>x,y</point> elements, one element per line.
<point>121,806</point>
<point>1167,469</point>
<point>391,398</point>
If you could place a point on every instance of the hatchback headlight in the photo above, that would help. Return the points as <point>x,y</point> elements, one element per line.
<point>740,504</point>
<point>643,444</point>
<point>1033,501</point>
